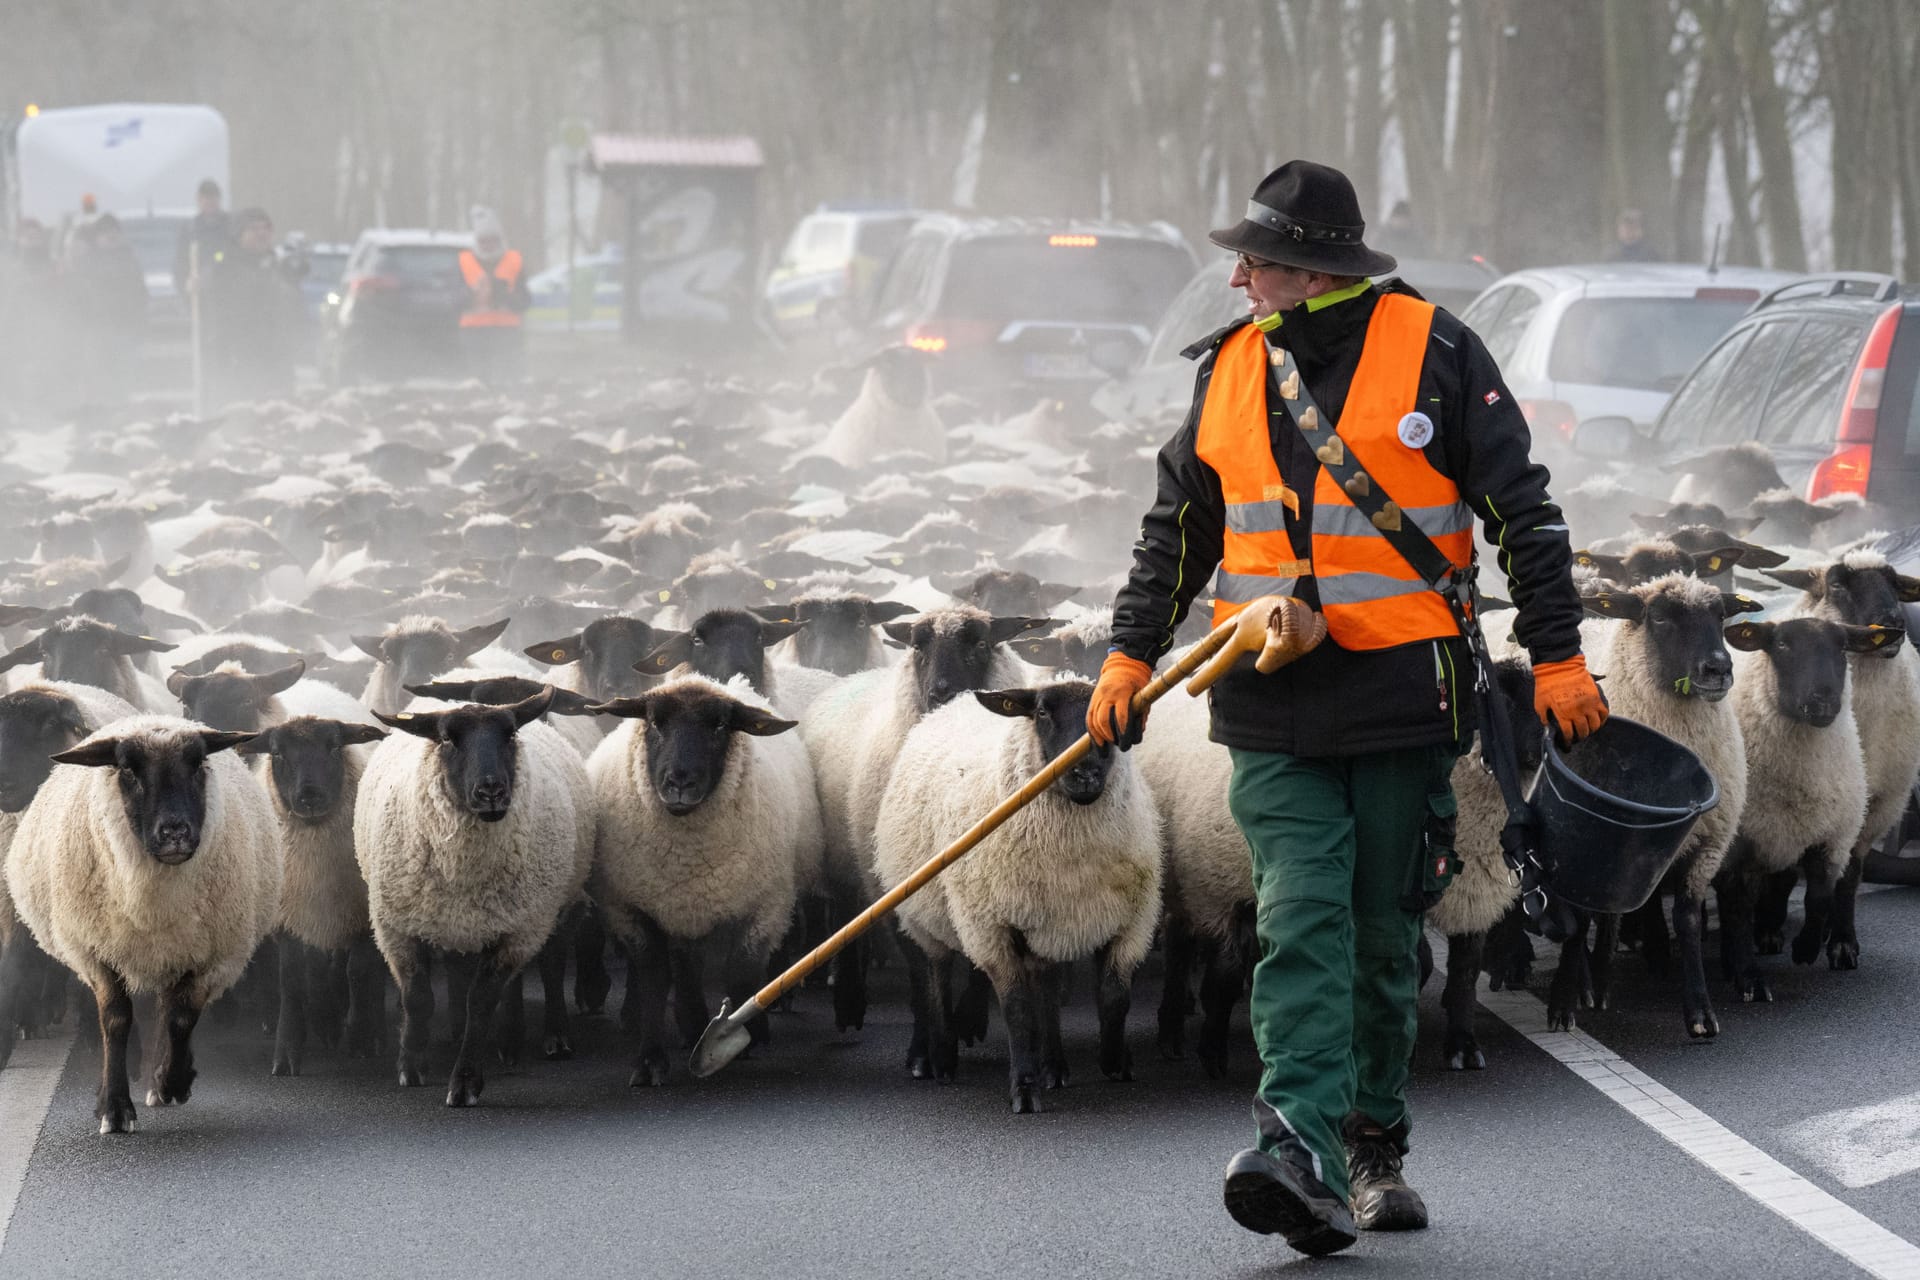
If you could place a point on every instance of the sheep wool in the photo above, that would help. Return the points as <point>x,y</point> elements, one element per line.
<point>323,901</point>
<point>96,902</point>
<point>1209,870</point>
<point>1808,786</point>
<point>876,424</point>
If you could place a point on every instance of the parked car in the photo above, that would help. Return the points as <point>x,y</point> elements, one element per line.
<point>594,299</point>
<point>1822,371</point>
<point>1160,387</point>
<point>1611,340</point>
<point>825,278</point>
<point>398,307</point>
<point>326,266</point>
<point>1024,306</point>
<point>154,238</point>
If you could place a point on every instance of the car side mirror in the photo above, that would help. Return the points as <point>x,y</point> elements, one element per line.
<point>1607,437</point>
<point>1113,358</point>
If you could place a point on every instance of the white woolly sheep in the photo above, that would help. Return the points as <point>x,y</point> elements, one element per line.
<point>148,862</point>
<point>1074,874</point>
<point>841,630</point>
<point>467,832</point>
<point>418,648</point>
<point>891,415</point>
<point>80,649</point>
<point>706,815</point>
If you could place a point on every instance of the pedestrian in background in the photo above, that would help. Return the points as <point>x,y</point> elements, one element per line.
<point>490,330</point>
<point>210,228</point>
<point>31,317</point>
<point>252,311</point>
<point>106,296</point>
<point>1630,238</point>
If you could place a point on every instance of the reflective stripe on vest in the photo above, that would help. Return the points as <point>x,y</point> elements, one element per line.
<point>1371,596</point>
<point>506,274</point>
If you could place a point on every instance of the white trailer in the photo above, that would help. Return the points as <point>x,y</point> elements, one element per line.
<point>134,159</point>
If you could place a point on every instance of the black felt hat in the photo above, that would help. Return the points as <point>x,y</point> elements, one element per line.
<point>1306,215</point>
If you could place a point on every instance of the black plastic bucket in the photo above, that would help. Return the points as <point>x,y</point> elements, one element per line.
<point>1614,810</point>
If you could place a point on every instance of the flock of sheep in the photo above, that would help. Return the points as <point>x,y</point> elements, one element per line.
<point>683,672</point>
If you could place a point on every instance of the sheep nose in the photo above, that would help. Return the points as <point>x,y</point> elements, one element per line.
<point>942,690</point>
<point>174,832</point>
<point>490,794</point>
<point>309,797</point>
<point>1717,663</point>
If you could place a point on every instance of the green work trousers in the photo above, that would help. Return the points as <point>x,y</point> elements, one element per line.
<point>1344,848</point>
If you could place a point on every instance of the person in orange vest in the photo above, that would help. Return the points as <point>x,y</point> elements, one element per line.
<point>497,295</point>
<point>1342,761</point>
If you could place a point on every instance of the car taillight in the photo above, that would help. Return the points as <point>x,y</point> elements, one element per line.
<point>1549,415</point>
<point>928,342</point>
<point>1846,470</point>
<point>1073,241</point>
<point>372,284</point>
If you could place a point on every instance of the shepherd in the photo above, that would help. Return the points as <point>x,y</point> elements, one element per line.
<point>1336,429</point>
<point>497,296</point>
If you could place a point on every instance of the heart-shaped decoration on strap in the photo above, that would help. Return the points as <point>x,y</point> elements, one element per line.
<point>1290,387</point>
<point>1358,486</point>
<point>1332,453</point>
<point>1310,419</point>
<point>1387,518</point>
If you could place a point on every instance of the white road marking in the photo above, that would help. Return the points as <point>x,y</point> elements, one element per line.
<point>1860,1146</point>
<point>1831,1221</point>
<point>26,1091</point>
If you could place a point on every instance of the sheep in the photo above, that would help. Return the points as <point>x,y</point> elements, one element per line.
<point>1075,873</point>
<point>853,731</point>
<point>1806,779</point>
<point>839,633</point>
<point>600,659</point>
<point>418,648</point>
<point>1862,589</point>
<point>1076,647</point>
<point>37,721</point>
<point>83,650</point>
<point>467,832</point>
<point>706,813</point>
<point>310,768</point>
<point>1732,475</point>
<point>148,862</point>
<point>724,643</point>
<point>890,414</point>
<point>1666,666</point>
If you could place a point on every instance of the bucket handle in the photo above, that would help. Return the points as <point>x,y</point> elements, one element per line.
<point>1690,813</point>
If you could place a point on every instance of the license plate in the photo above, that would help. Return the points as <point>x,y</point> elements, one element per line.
<point>1072,364</point>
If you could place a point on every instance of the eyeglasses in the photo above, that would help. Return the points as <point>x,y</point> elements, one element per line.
<point>1250,265</point>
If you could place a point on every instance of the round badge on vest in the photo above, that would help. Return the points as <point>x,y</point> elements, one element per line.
<point>1416,431</point>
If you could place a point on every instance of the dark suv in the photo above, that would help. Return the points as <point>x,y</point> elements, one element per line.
<point>1026,306</point>
<point>1822,371</point>
<point>396,311</point>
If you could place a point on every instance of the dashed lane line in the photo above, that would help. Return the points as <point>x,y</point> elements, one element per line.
<point>1834,1223</point>
<point>26,1091</point>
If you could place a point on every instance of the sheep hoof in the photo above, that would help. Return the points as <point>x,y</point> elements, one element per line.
<point>1843,955</point>
<point>509,1055</point>
<point>1053,1077</point>
<point>1214,1063</point>
<point>411,1078</point>
<point>1025,1101</point>
<point>920,1067</point>
<point>283,1067</point>
<point>1559,1018</point>
<point>118,1122</point>
<point>1466,1060</point>
<point>1806,947</point>
<point>155,1100</point>
<point>1118,1066</point>
<point>1769,942</point>
<point>1702,1026</point>
<point>649,1073</point>
<point>463,1095</point>
<point>1172,1047</point>
<point>557,1049</point>
<point>1754,990</point>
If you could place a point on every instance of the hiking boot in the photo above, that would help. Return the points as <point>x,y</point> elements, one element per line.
<point>1382,1200</point>
<point>1282,1197</point>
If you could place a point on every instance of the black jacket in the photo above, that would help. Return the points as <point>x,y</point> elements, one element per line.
<point>1336,702</point>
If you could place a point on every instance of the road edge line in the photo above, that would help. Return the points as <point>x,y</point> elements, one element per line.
<point>27,1086</point>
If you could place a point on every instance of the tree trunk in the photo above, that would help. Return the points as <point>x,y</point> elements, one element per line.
<point>1767,115</point>
<point>1549,152</point>
<point>1044,151</point>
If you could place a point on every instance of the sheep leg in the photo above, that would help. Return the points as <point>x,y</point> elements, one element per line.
<point>630,999</point>
<point>1019,1007</point>
<point>490,975</point>
<point>1695,1003</point>
<point>1223,976</point>
<point>290,1035</point>
<point>649,974</point>
<point>1178,943</point>
<point>114,1105</point>
<point>1465,951</point>
<point>1044,980</point>
<point>556,1029</point>
<point>326,1005</point>
<point>1770,912</point>
<point>920,998</point>
<point>1736,893</point>
<point>459,976</point>
<point>849,975</point>
<point>591,981</point>
<point>19,990</point>
<point>173,1072</point>
<point>413,971</point>
<point>971,1011</point>
<point>1113,997</point>
<point>1819,907</point>
<point>512,1020</point>
<point>367,1002</point>
<point>1843,943</point>
<point>1606,944</point>
<point>1572,982</point>
<point>943,1047</point>
<point>688,961</point>
<point>1508,952</point>
<point>1654,947</point>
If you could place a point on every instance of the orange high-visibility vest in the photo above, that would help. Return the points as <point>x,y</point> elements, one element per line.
<point>506,274</point>
<point>1371,596</point>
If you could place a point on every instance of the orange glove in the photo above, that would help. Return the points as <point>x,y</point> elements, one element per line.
<point>1564,694</point>
<point>1110,718</point>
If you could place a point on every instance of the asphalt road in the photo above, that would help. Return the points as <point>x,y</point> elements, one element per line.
<point>821,1158</point>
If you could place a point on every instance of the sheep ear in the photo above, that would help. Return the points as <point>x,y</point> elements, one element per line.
<point>1043,652</point>
<point>675,649</point>
<point>278,682</point>
<point>1908,589</point>
<point>1008,702</point>
<point>1719,560</point>
<point>1814,513</point>
<point>1610,566</point>
<point>474,639</point>
<point>901,633</point>
<point>444,690</point>
<point>568,703</point>
<point>1049,594</point>
<point>97,754</point>
<point>625,708</point>
<point>879,611</point>
<point>116,568</point>
<point>28,652</point>
<point>1001,630</point>
<point>1871,639</point>
<point>127,645</point>
<point>12,615</point>
<point>177,682</point>
<point>352,735</point>
<point>218,740</point>
<point>1732,603</point>
<point>372,646</point>
<point>1615,604</point>
<point>1751,636</point>
<point>1807,580</point>
<point>1755,557</point>
<point>259,745</point>
<point>527,711</point>
<point>423,724</point>
<point>158,617</point>
<point>555,653</point>
<point>761,724</point>
<point>772,612</point>
<point>772,633</point>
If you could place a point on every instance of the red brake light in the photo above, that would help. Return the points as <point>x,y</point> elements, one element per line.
<point>1549,415</point>
<point>928,342</point>
<point>1847,469</point>
<point>1844,471</point>
<point>372,284</point>
<point>1073,242</point>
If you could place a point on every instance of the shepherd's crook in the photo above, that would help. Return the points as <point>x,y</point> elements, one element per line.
<point>1278,628</point>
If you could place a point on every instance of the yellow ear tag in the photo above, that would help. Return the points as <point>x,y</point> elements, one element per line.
<point>665,596</point>
<point>559,654</point>
<point>1713,564</point>
<point>768,583</point>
